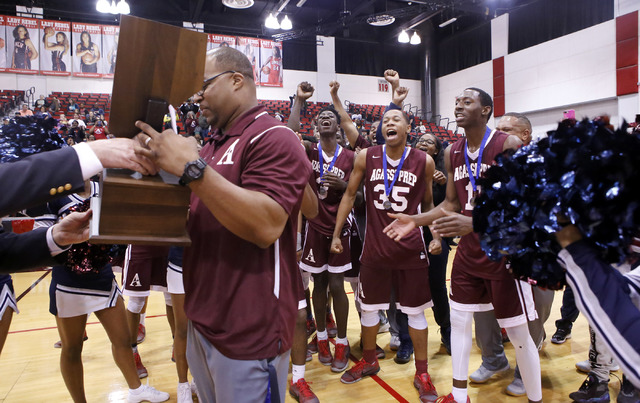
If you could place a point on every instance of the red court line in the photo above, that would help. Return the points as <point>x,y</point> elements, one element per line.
<point>379,381</point>
<point>54,327</point>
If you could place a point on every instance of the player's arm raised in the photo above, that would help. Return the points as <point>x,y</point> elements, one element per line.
<point>348,199</point>
<point>304,91</point>
<point>345,120</point>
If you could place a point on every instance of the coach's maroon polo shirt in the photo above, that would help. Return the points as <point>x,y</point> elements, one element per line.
<point>242,298</point>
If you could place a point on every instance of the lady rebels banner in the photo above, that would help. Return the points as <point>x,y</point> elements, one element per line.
<point>215,41</point>
<point>251,48</point>
<point>271,57</point>
<point>55,48</point>
<point>22,45</point>
<point>110,35</point>
<point>87,51</point>
<point>3,45</point>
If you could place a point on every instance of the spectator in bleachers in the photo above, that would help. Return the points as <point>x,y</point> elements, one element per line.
<point>82,109</point>
<point>372,132</point>
<point>54,107</point>
<point>76,118</point>
<point>25,111</point>
<point>70,141</point>
<point>91,118</point>
<point>99,130</point>
<point>42,112</point>
<point>421,128</point>
<point>76,132</point>
<point>202,129</point>
<point>63,124</point>
<point>187,107</point>
<point>6,121</point>
<point>72,105</point>
<point>190,123</point>
<point>40,102</point>
<point>91,137</point>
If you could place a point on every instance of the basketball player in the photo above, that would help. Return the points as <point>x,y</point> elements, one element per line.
<point>23,49</point>
<point>145,269</point>
<point>396,178</point>
<point>477,283</point>
<point>274,66</point>
<point>58,49</point>
<point>89,53</point>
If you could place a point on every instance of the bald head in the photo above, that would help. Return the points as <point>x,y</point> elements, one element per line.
<point>227,58</point>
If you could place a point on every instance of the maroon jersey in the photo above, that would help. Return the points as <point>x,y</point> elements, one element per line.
<point>241,297</point>
<point>406,196</point>
<point>470,257</point>
<point>328,204</point>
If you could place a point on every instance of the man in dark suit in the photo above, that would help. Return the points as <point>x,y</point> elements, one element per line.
<point>38,178</point>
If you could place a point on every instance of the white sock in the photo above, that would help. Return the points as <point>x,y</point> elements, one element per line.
<point>528,360</point>
<point>297,372</point>
<point>142,315</point>
<point>344,341</point>
<point>323,335</point>
<point>138,390</point>
<point>184,383</point>
<point>459,394</point>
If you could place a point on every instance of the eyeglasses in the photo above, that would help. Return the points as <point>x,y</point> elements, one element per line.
<point>429,141</point>
<point>208,82</point>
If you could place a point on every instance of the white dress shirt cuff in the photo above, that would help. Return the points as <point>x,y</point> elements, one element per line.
<point>53,246</point>
<point>89,162</point>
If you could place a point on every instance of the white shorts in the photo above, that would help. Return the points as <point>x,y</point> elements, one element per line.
<point>174,279</point>
<point>71,301</point>
<point>7,300</point>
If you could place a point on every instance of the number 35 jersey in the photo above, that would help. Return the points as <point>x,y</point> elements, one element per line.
<point>405,197</point>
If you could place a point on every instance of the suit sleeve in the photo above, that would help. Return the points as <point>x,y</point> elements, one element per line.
<point>39,178</point>
<point>24,251</point>
<point>605,297</point>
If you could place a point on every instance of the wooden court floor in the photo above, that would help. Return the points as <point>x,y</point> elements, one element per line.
<point>29,365</point>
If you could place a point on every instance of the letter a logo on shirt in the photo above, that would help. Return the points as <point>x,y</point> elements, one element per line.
<point>310,257</point>
<point>226,157</point>
<point>136,281</point>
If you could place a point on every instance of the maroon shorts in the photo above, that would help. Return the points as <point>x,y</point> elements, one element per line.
<point>411,288</point>
<point>317,257</point>
<point>145,269</point>
<point>511,299</point>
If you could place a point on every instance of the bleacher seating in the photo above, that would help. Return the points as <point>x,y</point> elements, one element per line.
<point>10,99</point>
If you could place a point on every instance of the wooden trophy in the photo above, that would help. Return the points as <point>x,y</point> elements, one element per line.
<point>157,65</point>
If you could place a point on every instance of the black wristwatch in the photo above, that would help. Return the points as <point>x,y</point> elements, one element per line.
<point>192,171</point>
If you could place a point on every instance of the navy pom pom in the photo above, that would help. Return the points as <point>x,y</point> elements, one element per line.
<point>28,135</point>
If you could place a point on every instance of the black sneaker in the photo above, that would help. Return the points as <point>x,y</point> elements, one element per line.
<point>628,393</point>
<point>592,390</point>
<point>560,336</point>
<point>404,353</point>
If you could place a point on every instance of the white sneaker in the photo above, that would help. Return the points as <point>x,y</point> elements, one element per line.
<point>194,388</point>
<point>394,344</point>
<point>483,374</point>
<point>516,388</point>
<point>585,366</point>
<point>147,393</point>
<point>184,393</point>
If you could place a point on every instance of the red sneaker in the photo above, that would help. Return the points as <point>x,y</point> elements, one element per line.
<point>324,353</point>
<point>425,387</point>
<point>302,392</point>
<point>341,358</point>
<point>360,370</point>
<point>142,371</point>
<point>313,345</point>
<point>332,330</point>
<point>449,399</point>
<point>142,333</point>
<point>311,326</point>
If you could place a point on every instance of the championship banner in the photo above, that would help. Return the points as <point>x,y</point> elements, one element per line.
<point>251,48</point>
<point>87,41</point>
<point>271,57</point>
<point>24,34</point>
<point>215,41</point>
<point>110,34</point>
<point>3,44</point>
<point>55,48</point>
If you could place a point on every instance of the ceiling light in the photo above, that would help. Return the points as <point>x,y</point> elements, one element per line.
<point>403,37</point>
<point>381,20</point>
<point>447,22</point>
<point>114,8</point>
<point>301,3</point>
<point>238,3</point>
<point>123,7</point>
<point>415,39</point>
<point>103,6</point>
<point>286,23</point>
<point>271,22</point>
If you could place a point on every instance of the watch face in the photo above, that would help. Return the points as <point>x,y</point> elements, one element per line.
<point>193,171</point>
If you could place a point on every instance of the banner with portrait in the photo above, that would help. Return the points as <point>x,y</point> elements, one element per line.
<point>110,35</point>
<point>251,48</point>
<point>55,48</point>
<point>215,41</point>
<point>87,50</point>
<point>3,44</point>
<point>271,63</point>
<point>22,42</point>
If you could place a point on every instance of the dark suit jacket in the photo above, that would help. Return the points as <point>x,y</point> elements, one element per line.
<point>27,183</point>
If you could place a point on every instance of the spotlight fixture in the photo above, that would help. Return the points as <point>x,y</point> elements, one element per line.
<point>403,37</point>
<point>271,22</point>
<point>415,39</point>
<point>286,23</point>
<point>123,7</point>
<point>447,22</point>
<point>114,8</point>
<point>381,20</point>
<point>238,4</point>
<point>102,6</point>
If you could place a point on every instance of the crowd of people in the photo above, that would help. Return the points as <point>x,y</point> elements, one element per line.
<point>271,209</point>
